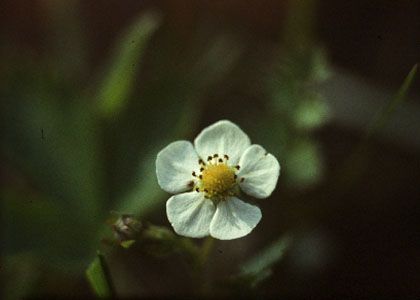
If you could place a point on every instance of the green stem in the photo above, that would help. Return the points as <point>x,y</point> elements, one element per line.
<point>205,250</point>
<point>202,268</point>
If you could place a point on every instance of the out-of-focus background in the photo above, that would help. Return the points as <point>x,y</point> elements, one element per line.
<point>92,90</point>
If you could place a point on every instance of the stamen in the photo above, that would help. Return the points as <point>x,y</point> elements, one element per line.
<point>193,174</point>
<point>237,167</point>
<point>218,180</point>
<point>242,179</point>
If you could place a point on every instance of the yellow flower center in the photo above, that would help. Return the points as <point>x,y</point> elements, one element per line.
<point>217,180</point>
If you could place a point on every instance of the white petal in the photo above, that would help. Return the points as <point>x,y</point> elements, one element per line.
<point>234,219</point>
<point>223,137</point>
<point>190,214</point>
<point>174,166</point>
<point>260,170</point>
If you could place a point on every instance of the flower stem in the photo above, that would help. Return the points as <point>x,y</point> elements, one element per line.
<point>203,271</point>
<point>205,251</point>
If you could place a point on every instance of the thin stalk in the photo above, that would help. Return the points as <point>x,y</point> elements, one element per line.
<point>205,250</point>
<point>202,267</point>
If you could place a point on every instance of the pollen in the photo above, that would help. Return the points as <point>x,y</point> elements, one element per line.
<point>218,180</point>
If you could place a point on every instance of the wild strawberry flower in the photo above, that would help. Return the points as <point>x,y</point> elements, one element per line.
<point>208,178</point>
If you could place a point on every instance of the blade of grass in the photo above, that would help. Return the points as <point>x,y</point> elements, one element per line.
<point>356,163</point>
<point>385,114</point>
<point>99,277</point>
<point>118,82</point>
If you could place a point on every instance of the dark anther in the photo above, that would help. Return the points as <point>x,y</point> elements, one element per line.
<point>209,158</point>
<point>237,167</point>
<point>206,190</point>
<point>242,179</point>
<point>226,156</point>
<point>220,160</point>
<point>200,161</point>
<point>193,174</point>
<point>216,155</point>
<point>201,176</point>
<point>197,190</point>
<point>201,169</point>
<point>191,184</point>
<point>235,176</point>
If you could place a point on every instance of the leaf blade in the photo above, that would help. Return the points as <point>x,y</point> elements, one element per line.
<point>385,114</point>
<point>267,257</point>
<point>119,80</point>
<point>98,277</point>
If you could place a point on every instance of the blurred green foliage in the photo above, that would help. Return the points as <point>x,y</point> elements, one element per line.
<point>385,114</point>
<point>53,141</point>
<point>21,274</point>
<point>296,108</point>
<point>77,148</point>
<point>259,267</point>
<point>355,165</point>
<point>115,88</point>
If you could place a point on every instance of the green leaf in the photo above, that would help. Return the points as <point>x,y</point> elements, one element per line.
<point>99,278</point>
<point>311,112</point>
<point>304,163</point>
<point>259,268</point>
<point>118,82</point>
<point>146,194</point>
<point>319,66</point>
<point>254,279</point>
<point>293,88</point>
<point>385,114</point>
<point>267,257</point>
<point>127,244</point>
<point>160,241</point>
<point>220,56</point>
<point>50,140</point>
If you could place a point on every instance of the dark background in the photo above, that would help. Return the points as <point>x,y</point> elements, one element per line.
<point>355,217</point>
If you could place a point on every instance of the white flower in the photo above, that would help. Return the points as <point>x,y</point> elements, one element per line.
<point>208,177</point>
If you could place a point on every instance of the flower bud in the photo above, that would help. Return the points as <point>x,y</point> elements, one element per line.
<point>125,227</point>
